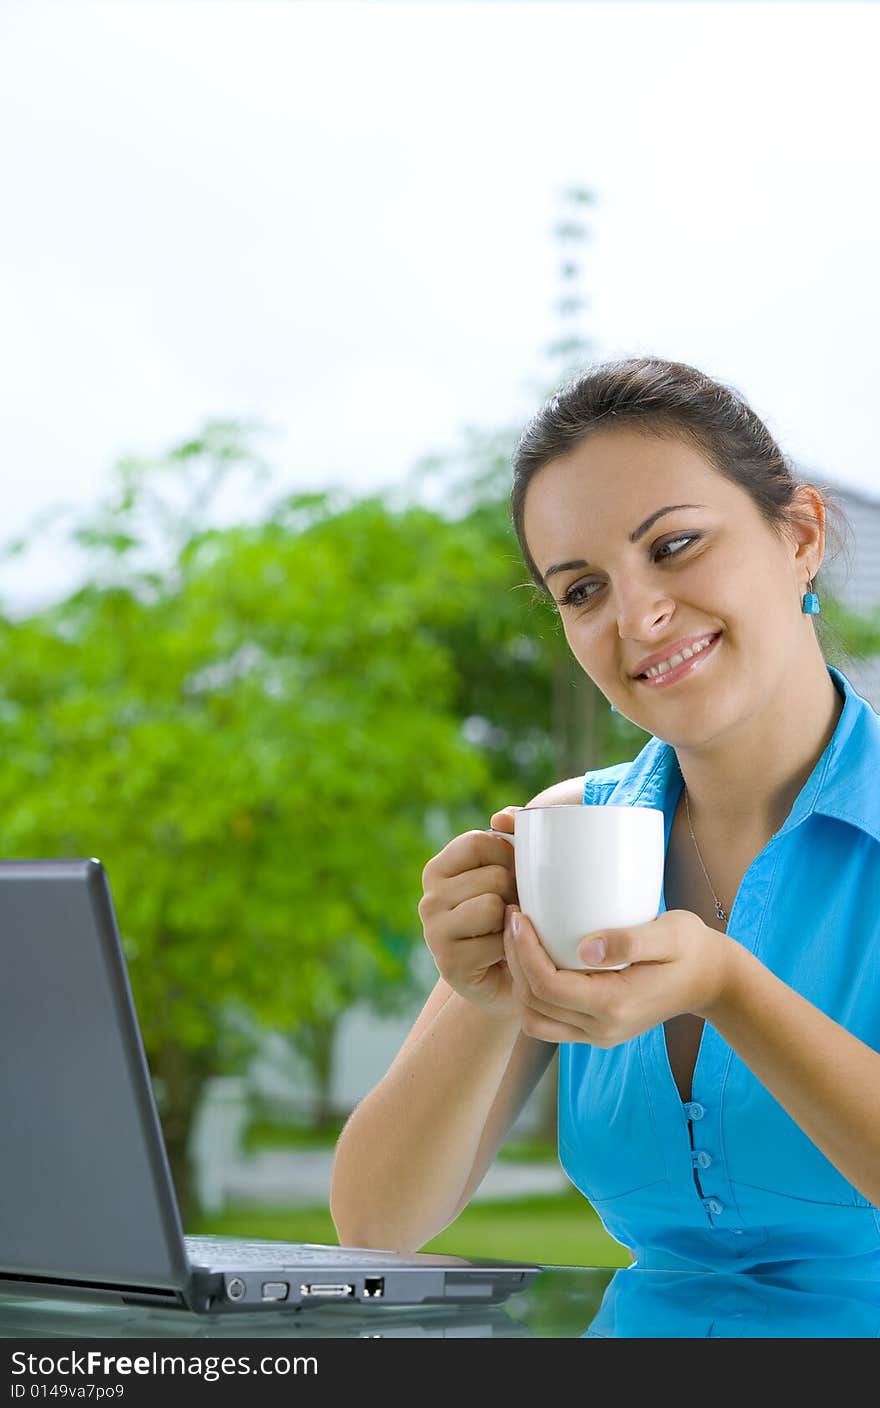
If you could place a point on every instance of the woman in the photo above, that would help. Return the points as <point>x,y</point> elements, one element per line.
<point>717,1098</point>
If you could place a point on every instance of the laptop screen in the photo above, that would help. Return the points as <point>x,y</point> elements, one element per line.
<point>85,1191</point>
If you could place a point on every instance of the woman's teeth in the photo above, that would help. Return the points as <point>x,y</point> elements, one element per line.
<point>678,659</point>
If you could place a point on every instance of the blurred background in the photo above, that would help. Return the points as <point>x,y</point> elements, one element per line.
<point>280,285</point>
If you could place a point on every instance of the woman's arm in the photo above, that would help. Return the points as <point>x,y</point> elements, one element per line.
<point>418,1145</point>
<point>405,1156</point>
<point>824,1077</point>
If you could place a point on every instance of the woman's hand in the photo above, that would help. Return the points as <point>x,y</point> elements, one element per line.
<point>466,888</point>
<point>678,964</point>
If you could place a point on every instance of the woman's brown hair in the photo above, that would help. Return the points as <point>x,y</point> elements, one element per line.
<point>675,400</point>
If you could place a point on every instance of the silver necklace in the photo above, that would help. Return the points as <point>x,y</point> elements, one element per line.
<point>719,908</point>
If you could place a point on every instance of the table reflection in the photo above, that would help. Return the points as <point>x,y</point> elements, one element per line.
<point>54,1319</point>
<point>563,1302</point>
<point>717,1305</point>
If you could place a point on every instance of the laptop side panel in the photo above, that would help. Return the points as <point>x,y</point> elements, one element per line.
<point>85,1188</point>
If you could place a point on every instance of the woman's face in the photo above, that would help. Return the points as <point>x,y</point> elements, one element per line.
<point>630,581</point>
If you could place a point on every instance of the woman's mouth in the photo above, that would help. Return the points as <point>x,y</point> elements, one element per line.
<point>681,671</point>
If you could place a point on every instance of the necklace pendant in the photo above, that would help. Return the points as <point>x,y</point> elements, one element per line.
<point>719,911</point>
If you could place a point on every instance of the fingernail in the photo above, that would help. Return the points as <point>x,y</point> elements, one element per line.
<point>593,951</point>
<point>514,922</point>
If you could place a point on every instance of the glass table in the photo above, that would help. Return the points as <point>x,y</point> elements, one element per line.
<point>562,1302</point>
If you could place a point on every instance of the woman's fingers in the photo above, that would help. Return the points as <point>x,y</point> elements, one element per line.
<point>491,881</point>
<point>533,971</point>
<point>472,955</point>
<point>545,1029</point>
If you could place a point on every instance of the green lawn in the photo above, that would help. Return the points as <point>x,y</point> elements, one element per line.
<point>263,1134</point>
<point>561,1229</point>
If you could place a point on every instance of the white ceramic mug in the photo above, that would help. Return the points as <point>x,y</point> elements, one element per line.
<point>580,869</point>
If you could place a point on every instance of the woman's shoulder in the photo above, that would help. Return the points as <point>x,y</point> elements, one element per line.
<point>597,785</point>
<point>574,790</point>
<point>561,794</point>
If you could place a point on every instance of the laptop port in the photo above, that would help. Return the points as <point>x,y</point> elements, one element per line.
<point>275,1290</point>
<point>235,1288</point>
<point>374,1287</point>
<point>327,1288</point>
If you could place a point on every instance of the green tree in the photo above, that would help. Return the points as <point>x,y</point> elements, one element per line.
<point>257,729</point>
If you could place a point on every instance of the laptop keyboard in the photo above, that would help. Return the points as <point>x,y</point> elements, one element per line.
<point>217,1250</point>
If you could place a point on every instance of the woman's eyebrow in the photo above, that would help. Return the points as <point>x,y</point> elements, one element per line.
<point>633,537</point>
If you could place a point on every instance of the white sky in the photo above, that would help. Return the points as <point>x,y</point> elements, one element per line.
<point>337,217</point>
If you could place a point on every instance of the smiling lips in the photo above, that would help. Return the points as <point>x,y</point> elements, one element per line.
<point>679,665</point>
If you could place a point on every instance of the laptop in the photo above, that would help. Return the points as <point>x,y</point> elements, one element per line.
<point>88,1209</point>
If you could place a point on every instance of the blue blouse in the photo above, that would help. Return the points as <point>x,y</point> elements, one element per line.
<point>728,1180</point>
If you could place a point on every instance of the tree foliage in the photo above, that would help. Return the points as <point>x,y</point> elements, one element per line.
<point>265,729</point>
<point>258,729</point>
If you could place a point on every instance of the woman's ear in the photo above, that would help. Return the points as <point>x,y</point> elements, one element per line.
<point>807,519</point>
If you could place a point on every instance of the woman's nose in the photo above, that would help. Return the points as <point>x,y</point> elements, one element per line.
<point>642,614</point>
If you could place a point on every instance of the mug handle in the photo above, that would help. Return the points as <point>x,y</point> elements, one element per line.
<point>505,835</point>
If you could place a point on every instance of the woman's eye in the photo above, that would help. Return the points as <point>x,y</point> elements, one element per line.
<point>670,542</point>
<point>578,594</point>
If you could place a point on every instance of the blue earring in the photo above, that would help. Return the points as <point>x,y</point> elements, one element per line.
<point>810,604</point>
<point>613,710</point>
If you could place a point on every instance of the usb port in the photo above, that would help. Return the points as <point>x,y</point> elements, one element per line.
<point>275,1290</point>
<point>326,1288</point>
<point>374,1287</point>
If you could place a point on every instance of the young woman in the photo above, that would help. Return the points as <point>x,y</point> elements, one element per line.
<point>717,1098</point>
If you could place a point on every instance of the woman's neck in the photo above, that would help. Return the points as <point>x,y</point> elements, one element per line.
<point>747,786</point>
